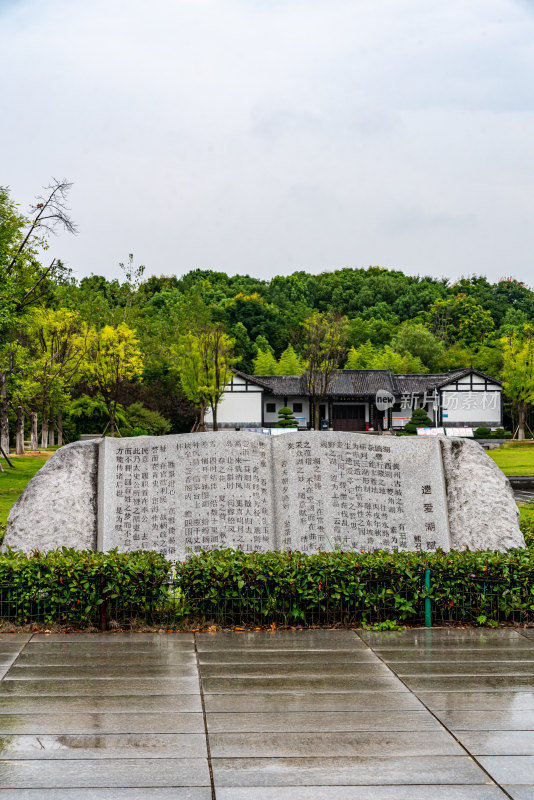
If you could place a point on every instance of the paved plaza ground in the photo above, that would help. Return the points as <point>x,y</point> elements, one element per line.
<point>288,715</point>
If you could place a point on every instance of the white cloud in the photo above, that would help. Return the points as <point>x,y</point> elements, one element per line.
<point>259,136</point>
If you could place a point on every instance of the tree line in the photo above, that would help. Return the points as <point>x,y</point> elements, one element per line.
<point>153,355</point>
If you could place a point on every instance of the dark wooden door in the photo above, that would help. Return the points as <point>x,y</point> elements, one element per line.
<point>348,417</point>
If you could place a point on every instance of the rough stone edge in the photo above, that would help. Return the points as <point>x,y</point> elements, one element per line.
<point>483,514</point>
<point>59,502</point>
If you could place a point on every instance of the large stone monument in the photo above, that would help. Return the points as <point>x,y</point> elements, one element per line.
<point>301,491</point>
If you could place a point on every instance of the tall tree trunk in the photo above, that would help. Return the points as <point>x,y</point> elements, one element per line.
<point>316,415</point>
<point>111,422</point>
<point>44,431</point>
<point>19,440</point>
<point>522,413</point>
<point>34,445</point>
<point>214,413</point>
<point>4,414</point>
<point>51,432</point>
<point>60,429</point>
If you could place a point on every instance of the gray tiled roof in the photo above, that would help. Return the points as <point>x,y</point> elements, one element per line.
<point>363,382</point>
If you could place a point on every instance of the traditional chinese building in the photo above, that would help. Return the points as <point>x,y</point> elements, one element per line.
<point>462,397</point>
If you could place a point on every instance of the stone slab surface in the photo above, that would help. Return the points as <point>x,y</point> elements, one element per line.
<point>322,721</point>
<point>102,723</point>
<point>306,744</point>
<point>104,773</point>
<point>304,490</point>
<point>176,793</point>
<point>354,491</point>
<point>466,701</point>
<point>73,704</point>
<point>346,771</point>
<point>497,743</point>
<point>300,701</point>
<point>283,735</point>
<point>427,792</point>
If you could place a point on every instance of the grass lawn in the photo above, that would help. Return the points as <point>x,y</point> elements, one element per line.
<point>13,481</point>
<point>515,458</point>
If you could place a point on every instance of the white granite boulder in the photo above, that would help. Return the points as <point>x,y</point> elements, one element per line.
<point>58,507</point>
<point>483,514</point>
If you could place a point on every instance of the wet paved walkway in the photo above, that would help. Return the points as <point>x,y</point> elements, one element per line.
<point>330,715</point>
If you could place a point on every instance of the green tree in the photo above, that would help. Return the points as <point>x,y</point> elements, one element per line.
<point>205,359</point>
<point>367,357</point>
<point>460,319</point>
<point>114,357</point>
<point>324,347</point>
<point>290,363</point>
<point>518,374</point>
<point>57,350</point>
<point>265,363</point>
<point>416,340</point>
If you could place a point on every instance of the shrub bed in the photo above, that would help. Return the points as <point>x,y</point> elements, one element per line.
<point>80,588</point>
<point>69,586</point>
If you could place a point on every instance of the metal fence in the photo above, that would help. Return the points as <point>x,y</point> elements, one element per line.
<point>420,599</point>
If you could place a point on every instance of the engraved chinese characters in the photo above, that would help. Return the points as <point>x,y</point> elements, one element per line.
<point>183,494</point>
<point>226,498</point>
<point>359,492</point>
<point>301,491</point>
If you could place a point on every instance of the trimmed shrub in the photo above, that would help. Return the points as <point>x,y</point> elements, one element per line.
<point>286,418</point>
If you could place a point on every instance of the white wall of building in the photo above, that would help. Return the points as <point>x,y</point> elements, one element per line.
<point>240,405</point>
<point>472,406</point>
<point>271,417</point>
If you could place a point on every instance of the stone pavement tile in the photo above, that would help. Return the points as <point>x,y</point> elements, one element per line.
<point>96,686</point>
<point>315,640</point>
<point>101,649</point>
<point>101,723</point>
<point>324,721</point>
<point>306,701</point>
<point>317,684</point>
<point>509,769</point>
<point>475,701</point>
<point>302,669</point>
<point>520,792</point>
<point>111,639</point>
<point>435,655</point>
<point>45,672</point>
<point>504,683</point>
<point>244,655</point>
<point>111,704</point>
<point>328,744</point>
<point>528,633</point>
<point>11,648</point>
<point>105,746</point>
<point>69,656</point>
<point>347,771</point>
<point>176,793</point>
<point>9,638</point>
<point>482,669</point>
<point>497,743</point>
<point>360,793</point>
<point>104,773</point>
<point>486,720</point>
<point>424,637</point>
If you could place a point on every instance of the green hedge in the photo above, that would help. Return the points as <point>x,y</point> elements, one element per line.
<point>360,586</point>
<point>69,586</point>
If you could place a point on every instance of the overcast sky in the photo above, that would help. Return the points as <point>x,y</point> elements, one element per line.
<point>266,136</point>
